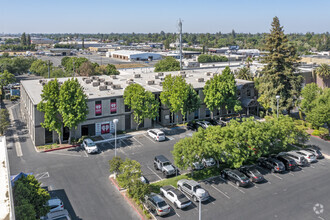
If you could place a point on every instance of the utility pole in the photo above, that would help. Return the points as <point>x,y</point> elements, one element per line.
<point>48,69</point>
<point>180,29</point>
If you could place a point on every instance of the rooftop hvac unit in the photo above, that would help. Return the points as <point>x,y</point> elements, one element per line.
<point>108,83</point>
<point>43,83</point>
<point>84,78</point>
<point>96,84</point>
<point>113,76</point>
<point>156,77</point>
<point>116,86</point>
<point>88,81</point>
<point>200,79</point>
<point>160,74</point>
<point>129,81</point>
<point>94,77</point>
<point>151,82</point>
<point>101,79</point>
<point>137,75</point>
<point>182,72</point>
<point>208,74</point>
<point>102,88</point>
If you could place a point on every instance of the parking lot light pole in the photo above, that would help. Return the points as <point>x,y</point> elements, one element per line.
<point>277,99</point>
<point>115,121</point>
<point>200,209</point>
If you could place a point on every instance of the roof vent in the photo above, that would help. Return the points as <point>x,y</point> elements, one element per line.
<point>96,84</point>
<point>88,81</point>
<point>156,77</point>
<point>137,75</point>
<point>108,83</point>
<point>160,83</point>
<point>200,80</point>
<point>160,74</point>
<point>151,82</point>
<point>116,86</point>
<point>101,79</point>
<point>208,74</point>
<point>102,88</point>
<point>130,81</point>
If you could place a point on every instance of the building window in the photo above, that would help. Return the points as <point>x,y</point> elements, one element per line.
<point>98,108</point>
<point>207,112</point>
<point>127,108</point>
<point>248,93</point>
<point>197,114</point>
<point>113,106</point>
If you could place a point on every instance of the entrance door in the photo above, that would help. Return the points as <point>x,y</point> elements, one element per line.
<point>84,130</point>
<point>48,136</point>
<point>66,134</point>
<point>127,122</point>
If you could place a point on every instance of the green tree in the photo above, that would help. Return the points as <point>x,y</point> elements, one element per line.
<point>279,76</point>
<point>23,39</point>
<point>309,93</point>
<point>167,64</point>
<point>6,78</point>
<point>137,190</point>
<point>26,191</point>
<point>192,102</point>
<point>244,73</point>
<point>220,91</point>
<point>40,67</point>
<point>86,69</point>
<point>141,102</point>
<point>323,70</point>
<point>115,164</point>
<point>28,40</point>
<point>130,171</point>
<point>111,70</point>
<point>49,105</point>
<point>72,104</point>
<point>25,211</point>
<point>4,121</point>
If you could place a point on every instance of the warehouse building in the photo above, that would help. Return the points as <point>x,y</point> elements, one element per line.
<point>106,103</point>
<point>131,55</point>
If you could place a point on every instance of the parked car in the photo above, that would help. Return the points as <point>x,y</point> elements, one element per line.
<point>309,156</point>
<point>298,158</point>
<point>55,204</point>
<point>193,126</point>
<point>289,163</point>
<point>252,172</point>
<point>163,164</point>
<point>235,176</point>
<point>198,166</point>
<point>209,162</point>
<point>204,124</point>
<point>317,153</point>
<point>144,179</point>
<point>156,134</point>
<point>157,205</point>
<point>193,189</point>
<point>90,146</point>
<point>58,215</point>
<point>272,164</point>
<point>216,122</point>
<point>175,196</point>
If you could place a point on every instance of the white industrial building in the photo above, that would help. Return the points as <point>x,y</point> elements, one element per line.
<point>131,55</point>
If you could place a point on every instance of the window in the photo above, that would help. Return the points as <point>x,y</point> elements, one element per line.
<point>207,112</point>
<point>127,108</point>
<point>187,186</point>
<point>98,108</point>
<point>113,106</point>
<point>248,92</point>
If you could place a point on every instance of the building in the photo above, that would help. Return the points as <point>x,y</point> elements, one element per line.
<point>106,103</point>
<point>42,41</point>
<point>131,55</point>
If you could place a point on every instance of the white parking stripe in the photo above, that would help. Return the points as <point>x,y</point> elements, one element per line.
<point>291,174</point>
<point>220,191</point>
<point>150,138</point>
<point>177,214</point>
<point>170,138</point>
<point>137,141</point>
<point>86,154</point>
<point>236,187</point>
<point>303,171</point>
<point>73,155</point>
<point>312,167</point>
<point>256,186</point>
<point>154,173</point>
<point>276,176</point>
<point>320,218</point>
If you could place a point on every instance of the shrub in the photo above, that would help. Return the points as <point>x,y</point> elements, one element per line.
<point>316,133</point>
<point>323,132</point>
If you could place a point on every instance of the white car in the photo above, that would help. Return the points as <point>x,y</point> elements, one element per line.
<point>309,156</point>
<point>156,134</point>
<point>90,146</point>
<point>55,204</point>
<point>204,124</point>
<point>209,162</point>
<point>59,215</point>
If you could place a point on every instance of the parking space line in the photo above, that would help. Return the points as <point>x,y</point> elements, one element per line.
<point>177,214</point>
<point>86,154</point>
<point>121,150</point>
<point>170,138</point>
<point>256,186</point>
<point>312,167</point>
<point>269,182</point>
<point>291,174</point>
<point>220,191</point>
<point>276,176</point>
<point>154,173</point>
<point>320,218</point>
<point>303,171</point>
<point>150,139</point>
<point>236,187</point>
<point>73,155</point>
<point>137,141</point>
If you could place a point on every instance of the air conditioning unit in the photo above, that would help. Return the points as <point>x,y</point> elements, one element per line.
<point>96,84</point>
<point>108,83</point>
<point>208,73</point>
<point>84,78</point>
<point>94,77</point>
<point>182,72</point>
<point>130,81</point>
<point>156,77</point>
<point>137,75</point>
<point>116,86</point>
<point>101,88</point>
<point>88,81</point>
<point>183,75</point>
<point>113,76</point>
<point>200,80</point>
<point>101,79</point>
<point>151,82</point>
<point>160,74</point>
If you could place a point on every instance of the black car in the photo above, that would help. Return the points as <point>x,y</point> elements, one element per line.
<point>215,122</point>
<point>235,176</point>
<point>316,151</point>
<point>288,162</point>
<point>192,126</point>
<point>253,173</point>
<point>272,164</point>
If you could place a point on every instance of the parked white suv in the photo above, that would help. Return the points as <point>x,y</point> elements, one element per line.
<point>309,156</point>
<point>90,146</point>
<point>156,134</point>
<point>55,204</point>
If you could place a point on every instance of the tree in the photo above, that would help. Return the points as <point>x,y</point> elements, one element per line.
<point>130,171</point>
<point>23,39</point>
<point>86,69</point>
<point>167,64</point>
<point>25,211</point>
<point>279,76</point>
<point>220,91</point>
<point>244,73</point>
<point>248,61</point>
<point>28,40</point>
<point>72,104</point>
<point>323,70</point>
<point>192,102</point>
<point>6,78</point>
<point>111,70</point>
<point>49,105</point>
<point>40,67</point>
<point>4,121</point>
<point>309,93</point>
<point>141,102</point>
<point>115,164</point>
<point>26,191</point>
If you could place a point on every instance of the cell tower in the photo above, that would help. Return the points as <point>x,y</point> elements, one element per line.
<point>180,32</point>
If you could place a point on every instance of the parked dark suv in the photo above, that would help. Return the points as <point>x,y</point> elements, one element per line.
<point>288,162</point>
<point>252,172</point>
<point>235,176</point>
<point>272,164</point>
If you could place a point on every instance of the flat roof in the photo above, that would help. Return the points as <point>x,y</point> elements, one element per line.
<point>129,52</point>
<point>34,87</point>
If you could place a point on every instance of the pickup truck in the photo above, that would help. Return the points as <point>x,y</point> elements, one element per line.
<point>175,196</point>
<point>193,189</point>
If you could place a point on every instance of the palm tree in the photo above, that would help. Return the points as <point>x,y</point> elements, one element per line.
<point>248,61</point>
<point>323,70</point>
<point>244,73</point>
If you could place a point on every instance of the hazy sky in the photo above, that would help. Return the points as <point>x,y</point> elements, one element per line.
<point>144,16</point>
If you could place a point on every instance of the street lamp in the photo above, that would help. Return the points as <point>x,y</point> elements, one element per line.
<point>277,99</point>
<point>200,209</point>
<point>115,121</point>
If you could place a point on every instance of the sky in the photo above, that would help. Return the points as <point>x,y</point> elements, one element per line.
<point>145,16</point>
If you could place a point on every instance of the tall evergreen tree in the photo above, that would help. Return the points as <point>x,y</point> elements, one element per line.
<point>23,39</point>
<point>28,40</point>
<point>280,77</point>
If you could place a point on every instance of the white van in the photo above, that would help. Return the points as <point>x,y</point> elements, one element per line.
<point>156,134</point>
<point>59,215</point>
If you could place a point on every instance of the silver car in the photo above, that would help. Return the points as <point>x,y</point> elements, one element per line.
<point>309,156</point>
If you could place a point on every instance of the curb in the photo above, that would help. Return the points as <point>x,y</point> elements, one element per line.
<point>60,148</point>
<point>129,202</point>
<point>320,138</point>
